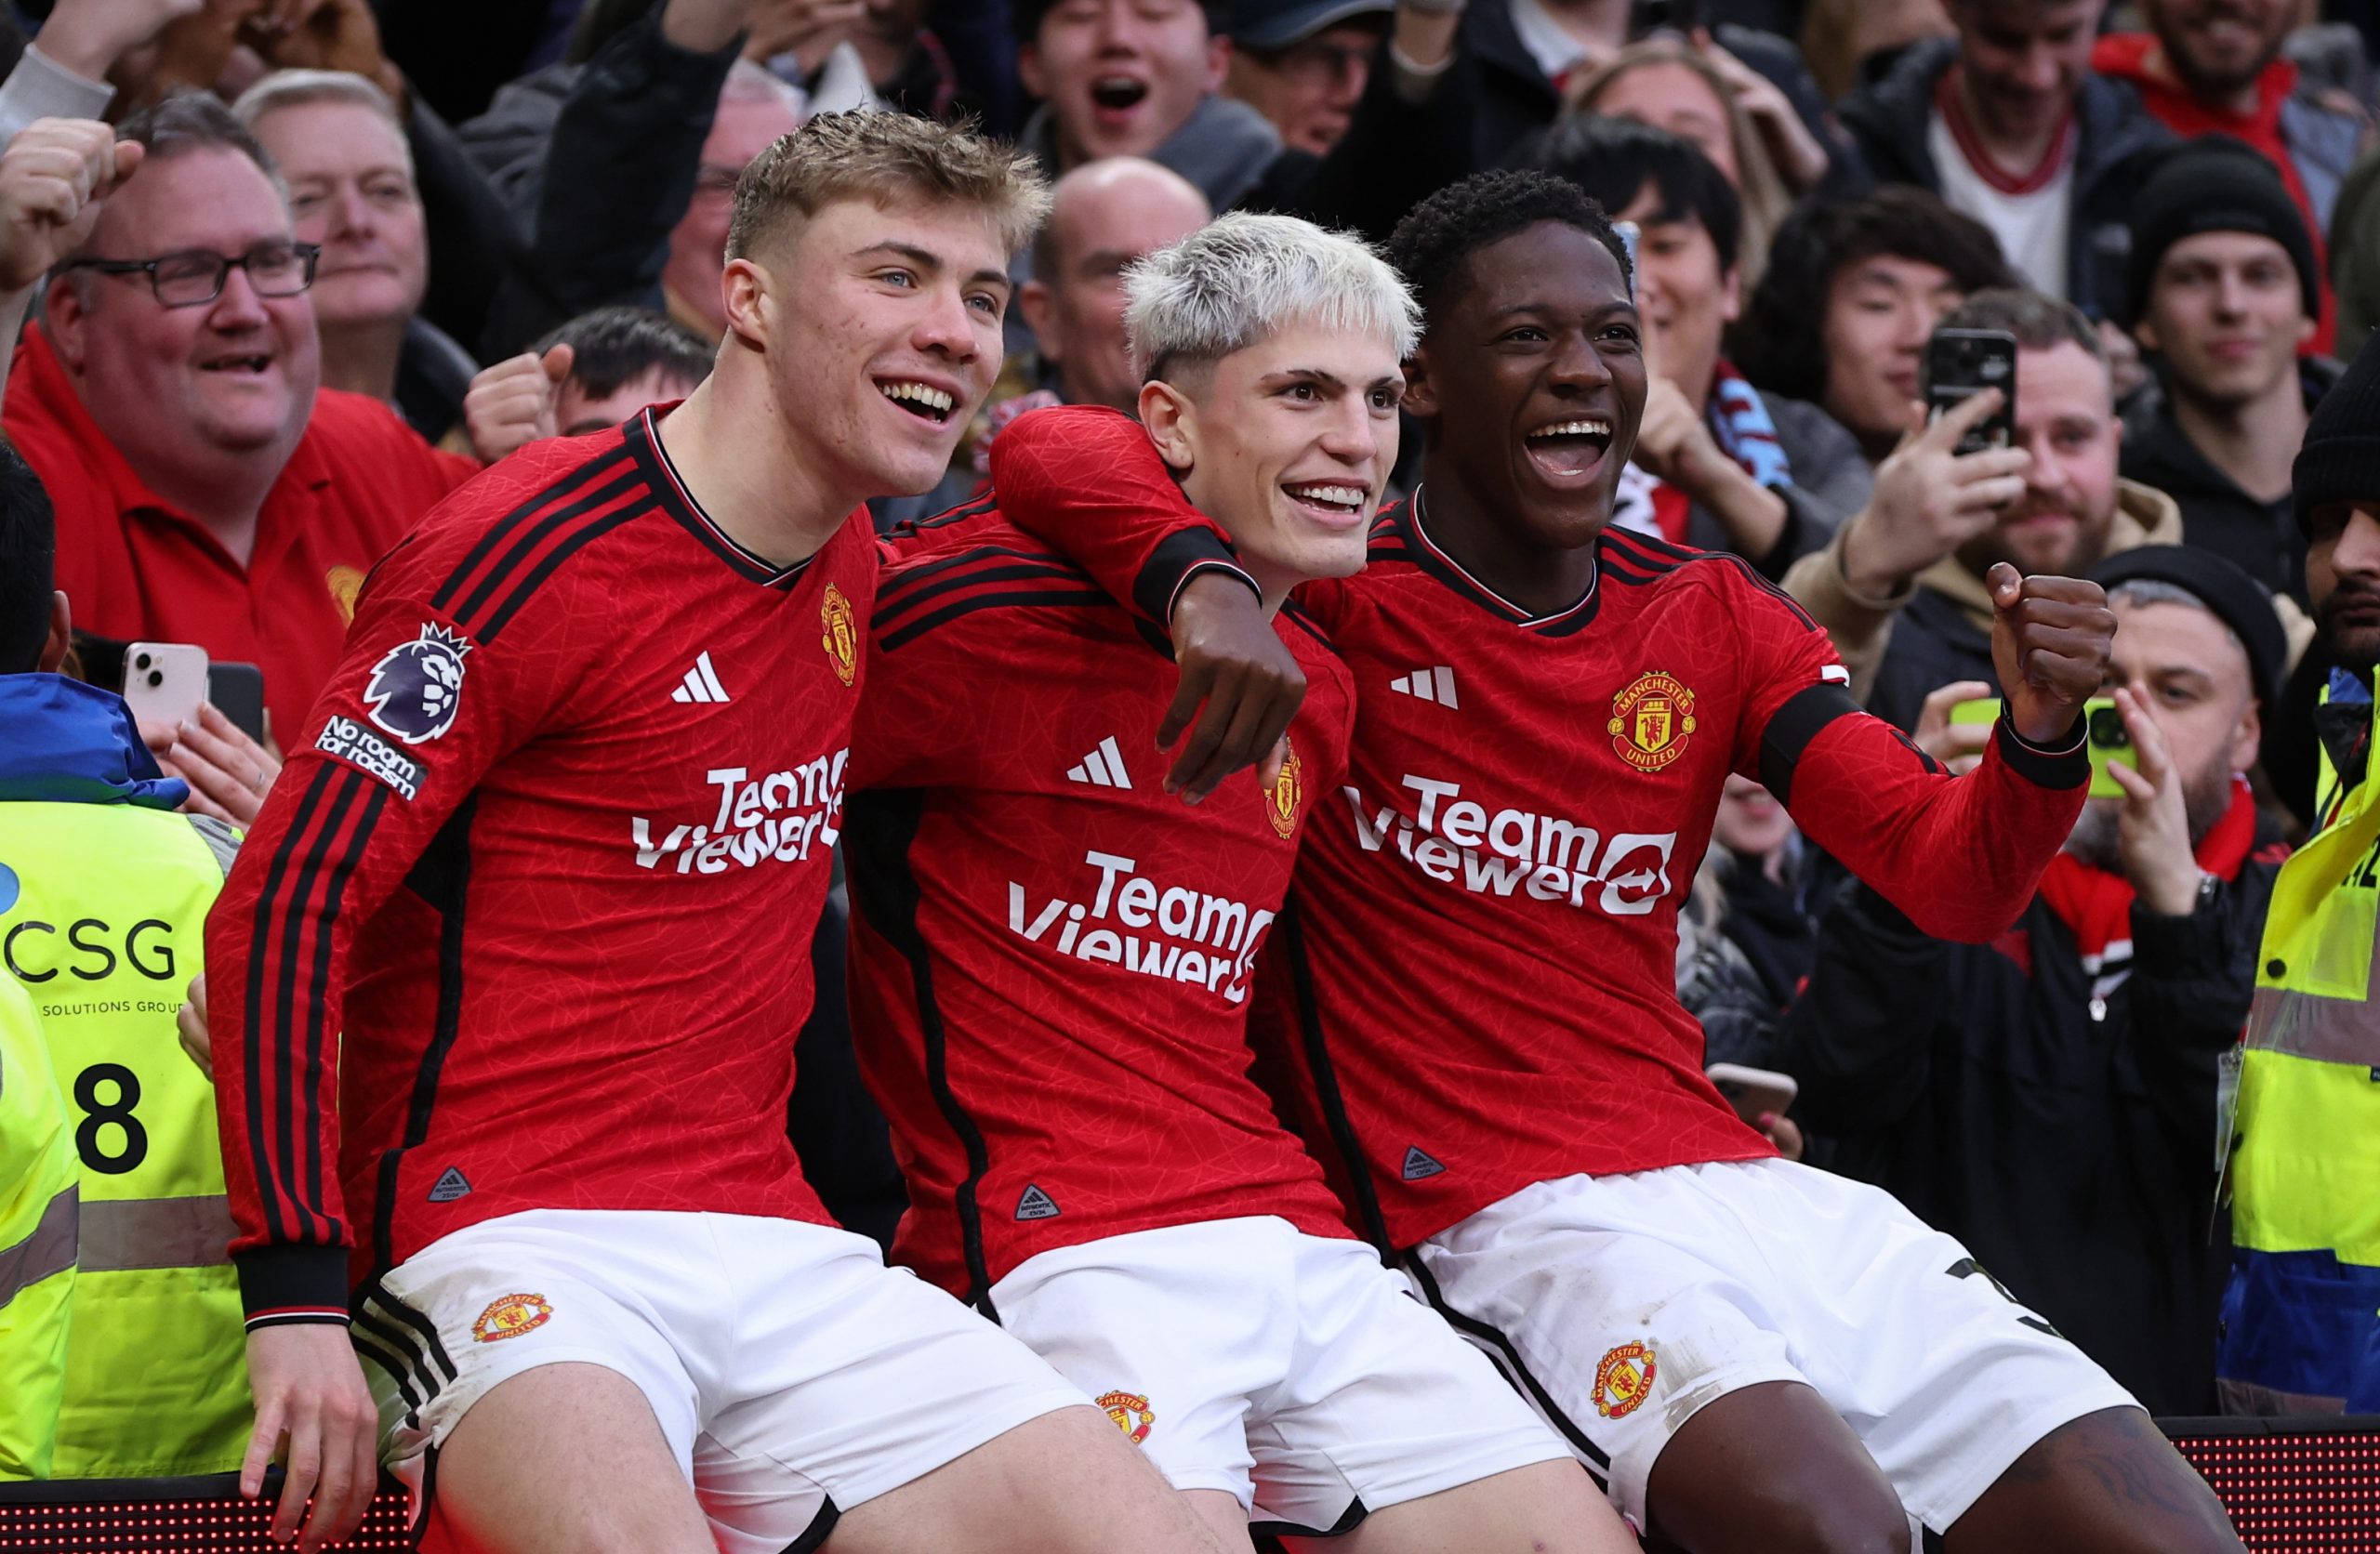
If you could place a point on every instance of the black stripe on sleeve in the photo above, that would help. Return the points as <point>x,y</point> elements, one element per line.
<point>502,528</point>
<point>355,838</point>
<point>1173,563</point>
<point>556,557</point>
<point>2067,766</point>
<point>525,544</point>
<point>278,1228</point>
<point>1791,729</point>
<point>1085,597</point>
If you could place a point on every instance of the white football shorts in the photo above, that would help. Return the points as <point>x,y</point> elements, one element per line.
<point>1291,1371</point>
<point>1620,1305</point>
<point>794,1374</point>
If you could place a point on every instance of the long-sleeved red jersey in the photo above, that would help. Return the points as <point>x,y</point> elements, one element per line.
<point>1053,958</point>
<point>526,921</point>
<point>1477,973</point>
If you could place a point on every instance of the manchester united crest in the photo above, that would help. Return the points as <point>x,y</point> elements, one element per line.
<point>842,633</point>
<point>1288,792</point>
<point>1130,1412</point>
<point>1651,721</point>
<point>510,1317</point>
<point>344,583</point>
<point>1624,1379</point>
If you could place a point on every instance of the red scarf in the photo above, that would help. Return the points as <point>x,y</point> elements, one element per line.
<point>2125,57</point>
<point>1970,144</point>
<point>2096,905</point>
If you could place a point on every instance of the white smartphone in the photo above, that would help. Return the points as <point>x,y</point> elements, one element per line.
<point>164,682</point>
<point>1753,1092</point>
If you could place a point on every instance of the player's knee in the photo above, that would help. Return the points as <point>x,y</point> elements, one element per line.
<point>1815,1525</point>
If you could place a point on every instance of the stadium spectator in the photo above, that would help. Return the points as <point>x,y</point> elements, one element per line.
<point>1729,113</point>
<point>1906,605</point>
<point>2300,1330</point>
<point>622,358</point>
<point>1303,64</point>
<point>2224,285</point>
<point>103,897</point>
<point>2048,1097</point>
<point>1849,42</point>
<point>1853,291</point>
<point>209,490</point>
<point>1141,78</point>
<point>910,68</point>
<point>2007,123</point>
<point>340,147</point>
<point>1718,465</point>
<point>1750,908</point>
<point>622,169</point>
<point>2354,270</point>
<point>2214,67</point>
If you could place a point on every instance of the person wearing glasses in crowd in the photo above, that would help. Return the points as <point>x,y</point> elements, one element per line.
<point>209,490</point>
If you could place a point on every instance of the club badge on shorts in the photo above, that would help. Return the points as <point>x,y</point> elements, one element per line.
<point>418,686</point>
<point>841,636</point>
<point>1281,800</point>
<point>1651,721</point>
<point>1130,1412</point>
<point>511,1316</point>
<point>1624,1379</point>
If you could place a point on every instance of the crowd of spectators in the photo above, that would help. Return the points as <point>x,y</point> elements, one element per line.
<point>286,272</point>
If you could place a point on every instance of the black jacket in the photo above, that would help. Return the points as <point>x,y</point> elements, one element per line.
<point>2068,1140</point>
<point>2261,538</point>
<point>1888,122</point>
<point>1935,641</point>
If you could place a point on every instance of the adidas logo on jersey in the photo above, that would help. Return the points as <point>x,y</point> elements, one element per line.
<point>1036,1205</point>
<point>701,683</point>
<point>1104,767</point>
<point>1428,685</point>
<point>1420,1166</point>
<point>452,1184</point>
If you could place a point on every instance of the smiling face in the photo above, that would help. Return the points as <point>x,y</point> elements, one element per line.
<point>2227,313</point>
<point>1678,98</point>
<point>1532,382</point>
<point>747,125</point>
<point>2066,419</point>
<point>172,386</point>
<point>1288,443</point>
<point>351,190</point>
<point>2024,60</point>
<point>1880,312</point>
<point>1120,76</point>
<point>1688,294</point>
<point>2218,47</point>
<point>881,329</point>
<point>1309,89</point>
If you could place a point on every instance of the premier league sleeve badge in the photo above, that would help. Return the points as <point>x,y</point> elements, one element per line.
<point>418,686</point>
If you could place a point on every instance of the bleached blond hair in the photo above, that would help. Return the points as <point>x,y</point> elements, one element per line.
<point>1244,276</point>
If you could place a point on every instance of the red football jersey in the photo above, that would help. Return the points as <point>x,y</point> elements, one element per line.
<point>1053,959</point>
<point>549,854</point>
<point>1476,972</point>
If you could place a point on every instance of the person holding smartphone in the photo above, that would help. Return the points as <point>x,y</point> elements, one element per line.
<point>2050,1099</point>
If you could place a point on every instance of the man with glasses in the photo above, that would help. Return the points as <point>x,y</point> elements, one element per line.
<point>208,489</point>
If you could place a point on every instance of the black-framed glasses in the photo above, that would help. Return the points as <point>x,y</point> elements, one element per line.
<point>194,276</point>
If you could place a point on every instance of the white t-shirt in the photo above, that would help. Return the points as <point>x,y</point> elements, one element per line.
<point>2030,225</point>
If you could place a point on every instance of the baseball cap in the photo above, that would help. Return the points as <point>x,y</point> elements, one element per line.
<point>1266,25</point>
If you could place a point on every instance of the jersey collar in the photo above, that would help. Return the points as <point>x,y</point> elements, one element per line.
<point>644,440</point>
<point>1431,559</point>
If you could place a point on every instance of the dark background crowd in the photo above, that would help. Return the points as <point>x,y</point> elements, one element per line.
<point>373,247</point>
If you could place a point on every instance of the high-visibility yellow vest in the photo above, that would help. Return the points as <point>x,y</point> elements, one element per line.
<point>37,1175</point>
<point>2301,1320</point>
<point>104,930</point>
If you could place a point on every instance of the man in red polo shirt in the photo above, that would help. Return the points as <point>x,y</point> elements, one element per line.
<point>208,489</point>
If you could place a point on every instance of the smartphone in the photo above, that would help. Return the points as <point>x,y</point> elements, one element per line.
<point>1753,1092</point>
<point>237,691</point>
<point>1964,361</point>
<point>164,682</point>
<point>2104,734</point>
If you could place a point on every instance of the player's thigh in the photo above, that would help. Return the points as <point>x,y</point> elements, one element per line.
<point>1385,1406</point>
<point>1772,1469</point>
<point>1224,1517</point>
<point>566,1458</point>
<point>1549,1508</point>
<point>1065,1482</point>
<point>2106,1484</point>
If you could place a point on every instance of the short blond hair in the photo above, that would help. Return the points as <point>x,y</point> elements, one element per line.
<point>877,156</point>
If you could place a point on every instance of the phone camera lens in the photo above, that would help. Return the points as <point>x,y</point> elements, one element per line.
<point>155,680</point>
<point>2107,728</point>
<point>141,663</point>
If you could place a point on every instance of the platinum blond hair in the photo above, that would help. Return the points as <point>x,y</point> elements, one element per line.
<point>1244,276</point>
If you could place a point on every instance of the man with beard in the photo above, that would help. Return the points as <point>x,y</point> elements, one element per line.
<point>2049,1099</point>
<point>2213,67</point>
<point>2300,1332</point>
<point>1932,624</point>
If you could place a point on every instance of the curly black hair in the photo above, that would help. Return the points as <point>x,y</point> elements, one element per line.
<point>1781,343</point>
<point>1437,235</point>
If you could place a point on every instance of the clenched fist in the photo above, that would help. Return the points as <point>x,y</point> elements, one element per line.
<point>53,177</point>
<point>2051,640</point>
